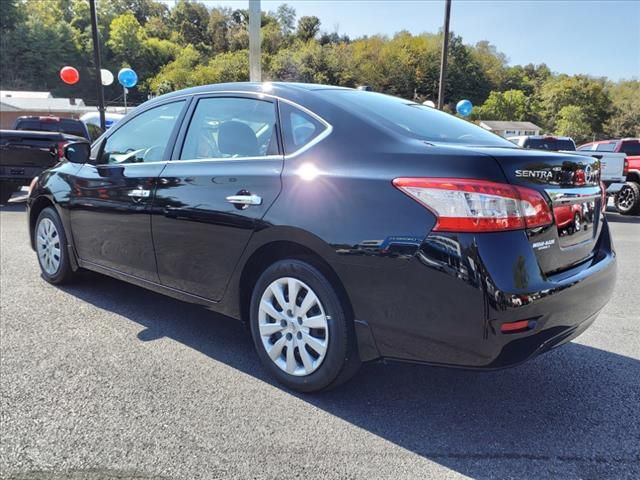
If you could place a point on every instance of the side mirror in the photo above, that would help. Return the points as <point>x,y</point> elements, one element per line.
<point>77,152</point>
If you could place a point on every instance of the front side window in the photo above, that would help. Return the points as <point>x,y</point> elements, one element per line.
<point>144,138</point>
<point>225,127</point>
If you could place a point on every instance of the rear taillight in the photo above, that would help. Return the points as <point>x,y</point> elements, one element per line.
<point>60,150</point>
<point>466,205</point>
<point>625,169</point>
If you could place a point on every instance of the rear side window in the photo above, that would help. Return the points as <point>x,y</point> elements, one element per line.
<point>631,148</point>
<point>298,128</point>
<point>225,127</point>
<point>606,147</point>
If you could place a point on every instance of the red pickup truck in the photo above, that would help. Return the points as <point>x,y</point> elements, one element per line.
<point>628,198</point>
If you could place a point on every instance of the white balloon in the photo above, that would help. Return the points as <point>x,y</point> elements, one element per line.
<point>106,77</point>
<point>429,103</point>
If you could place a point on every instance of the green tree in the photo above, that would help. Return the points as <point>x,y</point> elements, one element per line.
<point>573,122</point>
<point>492,61</point>
<point>218,29</point>
<point>511,105</point>
<point>308,28</point>
<point>625,118</point>
<point>126,39</point>
<point>286,17</point>
<point>586,92</point>
<point>190,19</point>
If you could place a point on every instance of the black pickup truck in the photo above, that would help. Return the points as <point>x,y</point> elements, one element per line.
<point>34,144</point>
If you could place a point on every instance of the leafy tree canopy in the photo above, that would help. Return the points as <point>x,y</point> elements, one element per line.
<point>174,45</point>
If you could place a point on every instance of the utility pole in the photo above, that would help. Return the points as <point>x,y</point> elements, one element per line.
<point>445,52</point>
<point>255,19</point>
<point>96,61</point>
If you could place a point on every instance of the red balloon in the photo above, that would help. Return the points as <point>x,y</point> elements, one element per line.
<point>69,75</point>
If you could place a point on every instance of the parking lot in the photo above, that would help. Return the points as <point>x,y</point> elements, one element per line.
<point>103,380</point>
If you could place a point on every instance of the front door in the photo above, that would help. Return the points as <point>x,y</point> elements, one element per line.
<point>111,200</point>
<point>213,196</point>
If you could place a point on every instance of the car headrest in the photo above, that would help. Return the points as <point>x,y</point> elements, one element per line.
<point>237,138</point>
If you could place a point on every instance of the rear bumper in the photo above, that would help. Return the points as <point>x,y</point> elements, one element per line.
<point>613,188</point>
<point>447,305</point>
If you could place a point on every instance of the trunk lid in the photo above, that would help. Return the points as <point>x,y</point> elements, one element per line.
<point>571,183</point>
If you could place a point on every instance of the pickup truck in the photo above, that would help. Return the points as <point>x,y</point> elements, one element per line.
<point>24,154</point>
<point>34,144</point>
<point>627,198</point>
<point>612,163</point>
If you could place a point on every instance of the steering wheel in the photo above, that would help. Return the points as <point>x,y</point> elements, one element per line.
<point>153,153</point>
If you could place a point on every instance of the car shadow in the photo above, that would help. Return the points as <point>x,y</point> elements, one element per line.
<point>13,207</point>
<point>617,218</point>
<point>573,410</point>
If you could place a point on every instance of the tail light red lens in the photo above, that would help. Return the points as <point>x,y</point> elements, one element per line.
<point>467,205</point>
<point>625,169</point>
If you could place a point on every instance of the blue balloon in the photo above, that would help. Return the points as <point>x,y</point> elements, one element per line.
<point>464,107</point>
<point>127,78</point>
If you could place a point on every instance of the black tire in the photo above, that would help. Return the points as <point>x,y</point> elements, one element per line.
<point>341,360</point>
<point>64,273</point>
<point>7,189</point>
<point>627,200</point>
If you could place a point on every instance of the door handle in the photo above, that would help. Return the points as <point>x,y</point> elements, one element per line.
<point>139,193</point>
<point>244,200</point>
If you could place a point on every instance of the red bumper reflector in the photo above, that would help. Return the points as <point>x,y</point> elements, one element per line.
<point>518,326</point>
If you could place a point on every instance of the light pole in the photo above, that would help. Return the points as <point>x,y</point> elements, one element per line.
<point>96,61</point>
<point>445,51</point>
<point>255,68</point>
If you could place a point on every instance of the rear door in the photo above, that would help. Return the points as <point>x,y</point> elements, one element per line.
<point>572,184</point>
<point>224,177</point>
<point>110,204</point>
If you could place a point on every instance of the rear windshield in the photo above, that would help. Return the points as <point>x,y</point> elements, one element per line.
<point>414,120</point>
<point>631,148</point>
<point>70,127</point>
<point>549,144</point>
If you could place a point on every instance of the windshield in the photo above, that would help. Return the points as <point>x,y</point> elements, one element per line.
<point>555,144</point>
<point>415,120</point>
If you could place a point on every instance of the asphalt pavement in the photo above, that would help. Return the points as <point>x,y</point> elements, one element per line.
<point>104,380</point>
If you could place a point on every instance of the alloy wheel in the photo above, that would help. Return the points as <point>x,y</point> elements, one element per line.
<point>626,197</point>
<point>293,326</point>
<point>48,246</point>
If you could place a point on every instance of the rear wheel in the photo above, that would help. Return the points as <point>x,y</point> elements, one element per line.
<point>51,247</point>
<point>627,200</point>
<point>300,328</point>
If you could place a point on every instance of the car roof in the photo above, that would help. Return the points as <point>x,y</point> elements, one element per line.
<point>283,89</point>
<point>598,142</point>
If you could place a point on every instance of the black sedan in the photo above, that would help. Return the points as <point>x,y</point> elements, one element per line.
<point>341,225</point>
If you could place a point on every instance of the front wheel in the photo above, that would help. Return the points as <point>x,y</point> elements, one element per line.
<point>300,328</point>
<point>51,247</point>
<point>627,200</point>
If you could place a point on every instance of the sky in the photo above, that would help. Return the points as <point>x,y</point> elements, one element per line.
<point>594,37</point>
